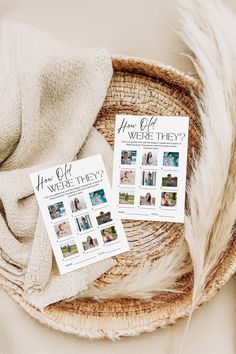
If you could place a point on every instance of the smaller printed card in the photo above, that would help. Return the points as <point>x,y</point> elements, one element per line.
<point>149,171</point>
<point>75,201</point>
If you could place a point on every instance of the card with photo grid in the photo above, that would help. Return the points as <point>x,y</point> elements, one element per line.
<point>76,203</point>
<point>149,169</point>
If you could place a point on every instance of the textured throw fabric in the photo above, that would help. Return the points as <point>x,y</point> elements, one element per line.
<point>49,98</point>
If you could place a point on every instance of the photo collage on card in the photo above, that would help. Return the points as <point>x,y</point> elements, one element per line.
<point>91,218</point>
<point>78,214</point>
<point>149,178</point>
<point>147,171</point>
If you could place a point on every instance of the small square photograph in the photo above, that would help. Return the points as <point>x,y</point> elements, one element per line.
<point>103,217</point>
<point>109,234</point>
<point>77,203</point>
<point>126,197</point>
<point>69,248</point>
<point>89,242</point>
<point>171,159</point>
<point>56,210</point>
<point>148,178</point>
<point>127,177</point>
<point>147,199</point>
<point>84,222</point>
<point>169,181</point>
<point>149,158</point>
<point>63,229</point>
<point>98,197</point>
<point>128,157</point>
<point>168,199</point>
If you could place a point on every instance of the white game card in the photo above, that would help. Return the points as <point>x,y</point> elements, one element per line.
<point>75,201</point>
<point>149,170</point>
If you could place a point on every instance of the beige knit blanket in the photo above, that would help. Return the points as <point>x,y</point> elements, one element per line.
<point>49,100</point>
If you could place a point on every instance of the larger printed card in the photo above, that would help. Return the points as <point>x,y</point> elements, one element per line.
<point>75,203</point>
<point>149,171</point>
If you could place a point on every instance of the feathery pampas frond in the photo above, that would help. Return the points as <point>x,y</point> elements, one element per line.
<point>148,278</point>
<point>208,30</point>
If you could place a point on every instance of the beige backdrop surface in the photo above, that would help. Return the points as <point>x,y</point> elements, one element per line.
<point>138,28</point>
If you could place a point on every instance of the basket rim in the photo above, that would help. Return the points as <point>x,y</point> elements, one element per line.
<point>156,69</point>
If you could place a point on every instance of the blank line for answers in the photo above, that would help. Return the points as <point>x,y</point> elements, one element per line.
<point>166,216</point>
<point>135,214</point>
<point>85,260</point>
<point>113,250</point>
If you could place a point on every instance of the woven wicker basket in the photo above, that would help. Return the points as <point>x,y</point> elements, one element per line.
<point>140,87</point>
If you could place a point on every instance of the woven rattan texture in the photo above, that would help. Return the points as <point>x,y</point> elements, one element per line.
<point>140,87</point>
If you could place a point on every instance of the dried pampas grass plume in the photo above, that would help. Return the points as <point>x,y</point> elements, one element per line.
<point>208,29</point>
<point>148,278</point>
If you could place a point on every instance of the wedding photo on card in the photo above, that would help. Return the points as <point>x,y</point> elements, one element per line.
<point>149,169</point>
<point>75,201</point>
